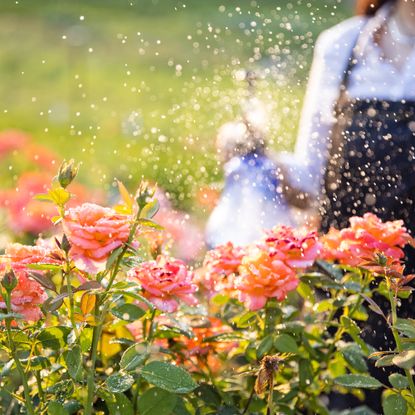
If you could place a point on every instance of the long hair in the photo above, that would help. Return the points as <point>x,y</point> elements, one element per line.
<point>369,7</point>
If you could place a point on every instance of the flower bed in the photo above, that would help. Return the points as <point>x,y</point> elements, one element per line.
<point>101,319</point>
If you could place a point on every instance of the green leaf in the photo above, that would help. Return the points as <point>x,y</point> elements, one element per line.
<point>150,224</point>
<point>150,209</point>
<point>306,373</point>
<point>43,280</point>
<point>305,291</point>
<point>331,269</point>
<point>57,194</point>
<point>52,304</point>
<point>394,404</point>
<point>134,356</point>
<point>208,394</point>
<point>385,361</point>
<point>39,362</point>
<point>73,360</point>
<point>156,401</point>
<point>245,320</point>
<point>398,381</point>
<point>223,337</point>
<point>54,337</point>
<point>11,316</point>
<point>180,408</point>
<point>285,343</point>
<point>119,382</point>
<point>117,403</point>
<point>320,280</point>
<point>353,355</point>
<point>55,408</point>
<point>358,381</point>
<point>168,377</point>
<point>89,285</point>
<point>353,329</point>
<point>127,199</point>
<point>265,346</point>
<point>113,257</point>
<point>128,312</point>
<point>170,332</point>
<point>45,267</point>
<point>85,339</point>
<point>405,360</point>
<point>64,388</point>
<point>406,327</point>
<point>136,296</point>
<point>73,406</point>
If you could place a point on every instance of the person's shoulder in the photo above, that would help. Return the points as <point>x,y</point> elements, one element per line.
<point>342,35</point>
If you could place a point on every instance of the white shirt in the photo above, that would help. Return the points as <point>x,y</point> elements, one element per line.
<point>372,77</point>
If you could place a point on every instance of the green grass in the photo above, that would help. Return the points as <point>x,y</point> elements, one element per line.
<point>122,57</point>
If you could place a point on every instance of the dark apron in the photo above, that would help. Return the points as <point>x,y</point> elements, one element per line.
<point>372,169</point>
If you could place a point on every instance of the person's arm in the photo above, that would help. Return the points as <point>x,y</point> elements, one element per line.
<point>302,172</point>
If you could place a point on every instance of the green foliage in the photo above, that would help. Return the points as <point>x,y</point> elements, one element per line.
<point>103,347</point>
<point>92,94</point>
<point>358,381</point>
<point>168,377</point>
<point>394,404</point>
<point>119,382</point>
<point>156,401</point>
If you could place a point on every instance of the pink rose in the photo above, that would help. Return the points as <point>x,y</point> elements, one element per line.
<point>165,281</point>
<point>26,297</point>
<point>20,256</point>
<point>219,267</point>
<point>94,232</point>
<point>263,276</point>
<point>296,249</point>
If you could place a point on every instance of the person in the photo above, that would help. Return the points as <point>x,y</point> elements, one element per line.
<point>251,200</point>
<point>355,152</point>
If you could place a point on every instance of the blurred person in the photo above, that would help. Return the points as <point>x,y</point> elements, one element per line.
<point>251,200</point>
<point>355,152</point>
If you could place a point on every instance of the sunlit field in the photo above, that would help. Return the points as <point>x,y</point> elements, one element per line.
<point>139,88</point>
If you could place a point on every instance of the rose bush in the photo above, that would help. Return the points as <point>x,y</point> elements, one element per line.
<point>101,318</point>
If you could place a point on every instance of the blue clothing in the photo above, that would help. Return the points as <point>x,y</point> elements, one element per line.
<point>250,202</point>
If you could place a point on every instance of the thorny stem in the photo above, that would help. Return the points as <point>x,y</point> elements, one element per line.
<point>122,253</point>
<point>93,356</point>
<point>39,386</point>
<point>340,330</point>
<point>67,273</point>
<point>270,320</point>
<point>151,328</point>
<point>100,318</point>
<point>26,390</point>
<point>135,395</point>
<point>249,401</point>
<point>270,396</point>
<point>393,300</point>
<point>212,379</point>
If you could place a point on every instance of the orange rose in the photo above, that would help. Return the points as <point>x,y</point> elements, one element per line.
<point>263,276</point>
<point>94,232</point>
<point>365,236</point>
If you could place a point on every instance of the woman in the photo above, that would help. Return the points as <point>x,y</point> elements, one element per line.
<point>357,128</point>
<point>356,147</point>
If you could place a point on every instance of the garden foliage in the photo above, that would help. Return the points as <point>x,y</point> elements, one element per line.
<point>100,319</point>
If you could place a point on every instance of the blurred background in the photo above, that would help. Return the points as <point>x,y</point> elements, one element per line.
<point>138,88</point>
